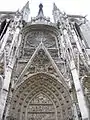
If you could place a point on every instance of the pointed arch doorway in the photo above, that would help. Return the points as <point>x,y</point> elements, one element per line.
<point>41,97</point>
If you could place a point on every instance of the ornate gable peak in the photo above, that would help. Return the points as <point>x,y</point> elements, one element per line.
<point>40,61</point>
<point>40,17</point>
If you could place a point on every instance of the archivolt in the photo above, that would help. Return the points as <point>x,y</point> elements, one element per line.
<point>44,85</point>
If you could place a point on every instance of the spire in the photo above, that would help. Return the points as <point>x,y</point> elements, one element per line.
<point>25,11</point>
<point>56,13</point>
<point>54,7</point>
<point>26,6</point>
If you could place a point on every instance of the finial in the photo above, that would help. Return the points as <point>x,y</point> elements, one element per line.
<point>40,10</point>
<point>54,7</point>
<point>40,6</point>
<point>40,16</point>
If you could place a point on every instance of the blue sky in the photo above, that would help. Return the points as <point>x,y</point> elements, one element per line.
<point>80,7</point>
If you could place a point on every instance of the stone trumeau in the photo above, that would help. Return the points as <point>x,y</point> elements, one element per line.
<point>44,66</point>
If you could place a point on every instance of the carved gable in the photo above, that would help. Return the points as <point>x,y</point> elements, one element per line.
<point>40,61</point>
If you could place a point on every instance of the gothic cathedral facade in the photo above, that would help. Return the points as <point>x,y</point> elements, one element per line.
<point>44,66</point>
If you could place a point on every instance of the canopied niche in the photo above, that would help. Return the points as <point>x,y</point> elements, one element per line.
<point>41,97</point>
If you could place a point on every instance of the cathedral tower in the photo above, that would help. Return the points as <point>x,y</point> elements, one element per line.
<point>44,66</point>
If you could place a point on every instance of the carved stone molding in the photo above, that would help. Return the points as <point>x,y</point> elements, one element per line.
<point>41,91</point>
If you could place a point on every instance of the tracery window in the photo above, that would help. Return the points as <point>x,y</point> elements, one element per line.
<point>34,38</point>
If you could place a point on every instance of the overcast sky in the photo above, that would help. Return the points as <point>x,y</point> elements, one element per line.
<point>79,7</point>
